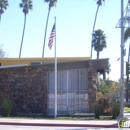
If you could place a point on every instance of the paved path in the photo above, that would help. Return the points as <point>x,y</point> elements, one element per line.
<point>69,123</point>
<point>54,122</point>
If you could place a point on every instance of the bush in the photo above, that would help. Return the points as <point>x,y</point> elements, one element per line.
<point>115,109</point>
<point>104,103</point>
<point>7,105</point>
<point>97,110</point>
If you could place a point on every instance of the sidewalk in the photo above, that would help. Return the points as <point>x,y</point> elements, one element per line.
<point>66,123</point>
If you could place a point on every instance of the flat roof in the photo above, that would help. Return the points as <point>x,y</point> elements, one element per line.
<point>14,61</point>
<point>63,63</point>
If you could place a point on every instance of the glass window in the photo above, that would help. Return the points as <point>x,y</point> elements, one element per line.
<point>51,79</point>
<point>72,94</point>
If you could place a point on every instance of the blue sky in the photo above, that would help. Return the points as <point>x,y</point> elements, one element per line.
<point>74,27</point>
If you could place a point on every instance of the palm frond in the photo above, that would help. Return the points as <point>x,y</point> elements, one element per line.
<point>51,3</point>
<point>3,5</point>
<point>20,5</point>
<point>99,2</point>
<point>46,0</point>
<point>99,40</point>
<point>26,5</point>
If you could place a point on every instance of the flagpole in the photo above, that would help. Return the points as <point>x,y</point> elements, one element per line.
<point>55,113</point>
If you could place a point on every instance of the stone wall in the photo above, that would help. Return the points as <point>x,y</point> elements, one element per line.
<point>92,77</point>
<point>27,87</point>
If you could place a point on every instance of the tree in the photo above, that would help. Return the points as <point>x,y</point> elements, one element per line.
<point>99,41</point>
<point>51,4</point>
<point>26,5</point>
<point>113,91</point>
<point>103,88</point>
<point>99,3</point>
<point>3,6</point>
<point>2,53</point>
<point>109,89</point>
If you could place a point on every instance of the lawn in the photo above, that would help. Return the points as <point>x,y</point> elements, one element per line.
<point>85,118</point>
<point>127,109</point>
<point>62,118</point>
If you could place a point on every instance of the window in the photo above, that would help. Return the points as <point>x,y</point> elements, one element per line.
<point>72,92</point>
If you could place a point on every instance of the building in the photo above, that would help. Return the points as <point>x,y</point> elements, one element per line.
<point>31,84</point>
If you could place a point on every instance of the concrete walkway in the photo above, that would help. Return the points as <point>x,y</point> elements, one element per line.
<point>69,123</point>
<point>55,122</point>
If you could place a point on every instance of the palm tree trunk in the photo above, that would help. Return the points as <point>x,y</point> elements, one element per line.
<point>45,33</point>
<point>22,35</point>
<point>93,29</point>
<point>97,55</point>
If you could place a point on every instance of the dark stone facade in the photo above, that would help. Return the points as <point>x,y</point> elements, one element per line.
<point>27,87</point>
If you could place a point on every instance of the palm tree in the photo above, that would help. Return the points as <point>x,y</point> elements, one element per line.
<point>99,41</point>
<point>51,4</point>
<point>99,3</point>
<point>3,6</point>
<point>26,5</point>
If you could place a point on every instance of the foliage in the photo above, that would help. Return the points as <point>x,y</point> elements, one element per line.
<point>7,105</point>
<point>51,3</point>
<point>127,109</point>
<point>104,103</point>
<point>97,110</point>
<point>26,5</point>
<point>113,91</point>
<point>99,41</point>
<point>99,2</point>
<point>103,88</point>
<point>115,109</point>
<point>81,118</point>
<point>3,6</point>
<point>109,104</point>
<point>109,89</point>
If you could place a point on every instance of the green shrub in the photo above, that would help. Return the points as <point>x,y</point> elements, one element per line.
<point>115,109</point>
<point>97,110</point>
<point>7,105</point>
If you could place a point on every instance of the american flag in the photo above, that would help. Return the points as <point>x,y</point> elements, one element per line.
<point>52,35</point>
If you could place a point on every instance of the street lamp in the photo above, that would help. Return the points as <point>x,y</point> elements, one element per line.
<point>121,114</point>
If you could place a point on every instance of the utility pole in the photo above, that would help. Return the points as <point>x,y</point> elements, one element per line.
<point>121,114</point>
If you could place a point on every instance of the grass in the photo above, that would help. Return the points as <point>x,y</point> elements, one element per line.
<point>127,109</point>
<point>62,118</point>
<point>85,118</point>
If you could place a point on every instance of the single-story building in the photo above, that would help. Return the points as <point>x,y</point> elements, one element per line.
<point>30,85</point>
